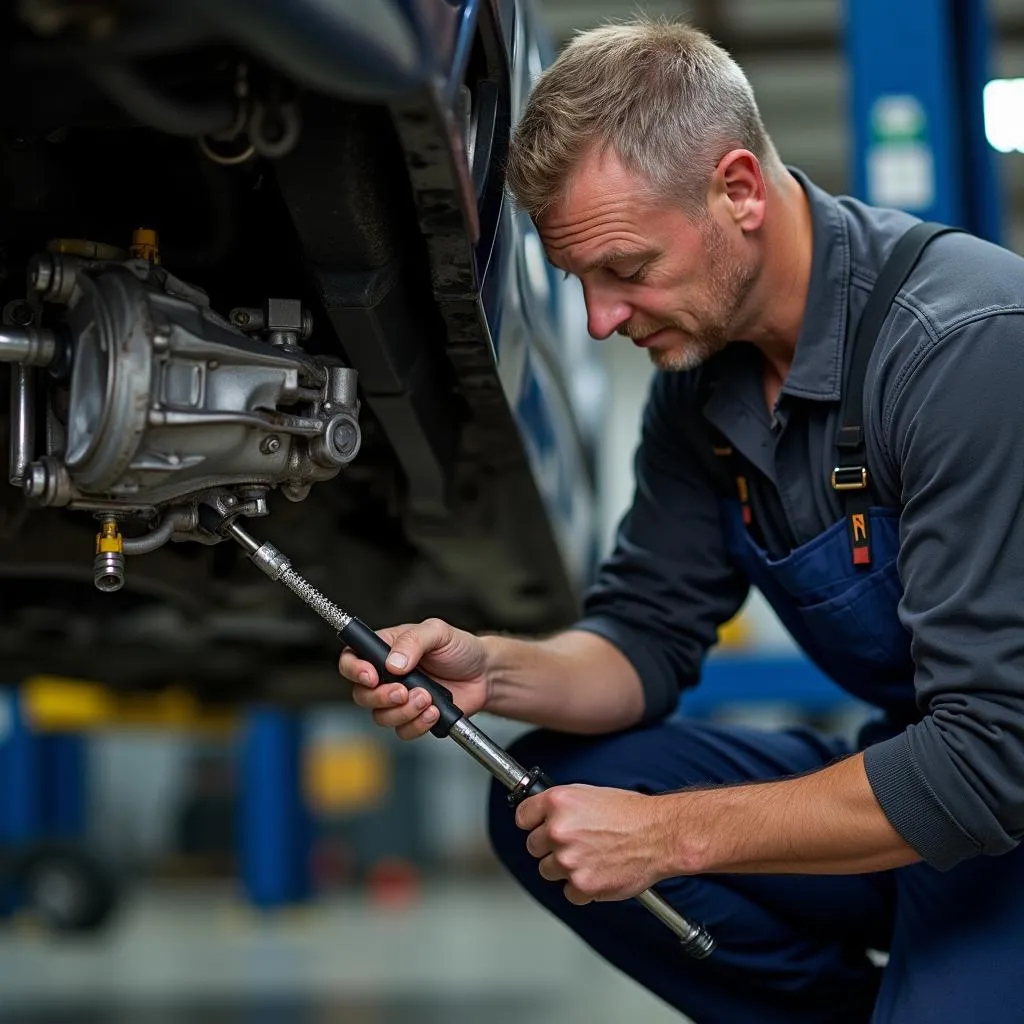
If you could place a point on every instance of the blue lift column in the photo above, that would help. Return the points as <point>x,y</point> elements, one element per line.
<point>918,69</point>
<point>42,784</point>
<point>64,783</point>
<point>275,833</point>
<point>43,778</point>
<point>21,806</point>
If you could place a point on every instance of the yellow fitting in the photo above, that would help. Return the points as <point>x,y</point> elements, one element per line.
<point>109,538</point>
<point>145,245</point>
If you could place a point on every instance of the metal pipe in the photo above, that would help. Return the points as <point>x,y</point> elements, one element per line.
<point>29,346</point>
<point>23,423</point>
<point>174,519</point>
<point>283,423</point>
<point>247,541</point>
<point>150,541</point>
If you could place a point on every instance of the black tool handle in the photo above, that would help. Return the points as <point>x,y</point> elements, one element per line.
<point>365,642</point>
<point>535,782</point>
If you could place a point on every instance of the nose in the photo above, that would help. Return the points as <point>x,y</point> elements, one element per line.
<point>606,313</point>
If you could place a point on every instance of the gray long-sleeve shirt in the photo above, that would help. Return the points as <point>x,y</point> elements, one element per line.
<point>944,419</point>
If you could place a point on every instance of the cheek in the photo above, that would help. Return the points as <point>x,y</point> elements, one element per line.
<point>658,302</point>
<point>683,306</point>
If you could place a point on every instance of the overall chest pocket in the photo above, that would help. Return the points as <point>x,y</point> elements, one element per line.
<point>861,622</point>
<point>845,617</point>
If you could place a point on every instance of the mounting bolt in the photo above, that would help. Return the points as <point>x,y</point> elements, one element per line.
<point>270,445</point>
<point>344,438</point>
<point>161,335</point>
<point>40,273</point>
<point>21,312</point>
<point>35,480</point>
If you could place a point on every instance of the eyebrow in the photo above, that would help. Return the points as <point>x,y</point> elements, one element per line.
<point>618,256</point>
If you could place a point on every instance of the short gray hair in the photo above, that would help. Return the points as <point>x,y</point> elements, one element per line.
<point>662,94</point>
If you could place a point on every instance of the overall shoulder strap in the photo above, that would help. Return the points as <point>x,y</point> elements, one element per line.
<point>850,476</point>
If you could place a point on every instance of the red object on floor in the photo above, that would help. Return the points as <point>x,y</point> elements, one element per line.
<point>393,882</point>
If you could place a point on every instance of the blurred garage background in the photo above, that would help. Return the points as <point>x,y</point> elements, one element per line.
<point>396,910</point>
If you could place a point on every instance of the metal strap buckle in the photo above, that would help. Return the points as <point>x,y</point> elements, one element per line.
<point>850,478</point>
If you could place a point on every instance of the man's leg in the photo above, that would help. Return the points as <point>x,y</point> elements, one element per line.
<point>957,950</point>
<point>791,949</point>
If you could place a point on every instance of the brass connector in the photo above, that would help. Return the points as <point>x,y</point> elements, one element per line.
<point>108,566</point>
<point>145,245</point>
<point>109,538</point>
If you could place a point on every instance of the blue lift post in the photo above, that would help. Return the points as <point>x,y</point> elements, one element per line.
<point>63,784</point>
<point>42,784</point>
<point>21,817</point>
<point>917,70</point>
<point>275,827</point>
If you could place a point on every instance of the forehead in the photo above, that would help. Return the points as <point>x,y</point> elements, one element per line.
<point>598,186</point>
<point>605,207</point>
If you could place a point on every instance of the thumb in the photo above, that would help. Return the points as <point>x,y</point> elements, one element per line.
<point>410,643</point>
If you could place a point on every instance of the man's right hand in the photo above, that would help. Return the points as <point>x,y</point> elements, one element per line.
<point>454,658</point>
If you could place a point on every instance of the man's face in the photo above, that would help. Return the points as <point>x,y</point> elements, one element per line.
<point>674,284</point>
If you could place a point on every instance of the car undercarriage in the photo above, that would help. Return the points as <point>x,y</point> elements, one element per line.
<point>230,275</point>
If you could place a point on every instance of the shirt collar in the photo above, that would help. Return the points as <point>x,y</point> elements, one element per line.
<point>817,368</point>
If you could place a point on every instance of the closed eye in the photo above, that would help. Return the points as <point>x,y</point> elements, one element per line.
<point>638,275</point>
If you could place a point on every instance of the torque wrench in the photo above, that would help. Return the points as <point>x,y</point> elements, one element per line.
<point>520,782</point>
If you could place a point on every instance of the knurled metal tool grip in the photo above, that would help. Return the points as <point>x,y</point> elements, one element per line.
<point>520,782</point>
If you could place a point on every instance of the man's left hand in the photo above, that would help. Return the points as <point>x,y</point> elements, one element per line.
<point>607,844</point>
<point>610,844</point>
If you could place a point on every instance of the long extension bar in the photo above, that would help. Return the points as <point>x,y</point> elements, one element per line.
<point>451,722</point>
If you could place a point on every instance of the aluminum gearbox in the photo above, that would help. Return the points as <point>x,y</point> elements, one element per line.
<point>155,402</point>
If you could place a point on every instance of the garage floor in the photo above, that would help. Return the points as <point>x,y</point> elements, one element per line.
<point>477,953</point>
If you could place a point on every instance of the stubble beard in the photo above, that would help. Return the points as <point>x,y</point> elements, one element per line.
<point>681,358</point>
<point>730,282</point>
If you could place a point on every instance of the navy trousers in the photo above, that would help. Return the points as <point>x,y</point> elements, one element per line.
<point>791,948</point>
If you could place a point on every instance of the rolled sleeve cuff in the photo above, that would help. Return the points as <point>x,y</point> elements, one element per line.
<point>660,684</point>
<point>913,809</point>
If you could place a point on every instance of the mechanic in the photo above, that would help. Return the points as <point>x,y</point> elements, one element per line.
<point>644,162</point>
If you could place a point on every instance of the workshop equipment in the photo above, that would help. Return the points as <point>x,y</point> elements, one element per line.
<point>918,72</point>
<point>521,783</point>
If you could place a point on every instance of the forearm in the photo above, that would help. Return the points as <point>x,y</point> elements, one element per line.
<point>828,822</point>
<point>573,682</point>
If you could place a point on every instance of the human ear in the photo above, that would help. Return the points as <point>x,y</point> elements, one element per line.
<point>738,184</point>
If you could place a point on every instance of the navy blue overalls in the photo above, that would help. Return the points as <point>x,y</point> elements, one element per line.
<point>792,948</point>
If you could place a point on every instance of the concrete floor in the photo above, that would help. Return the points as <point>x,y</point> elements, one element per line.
<point>477,952</point>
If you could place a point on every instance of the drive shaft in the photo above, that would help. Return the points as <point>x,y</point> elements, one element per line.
<point>521,783</point>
